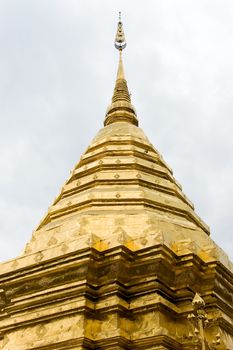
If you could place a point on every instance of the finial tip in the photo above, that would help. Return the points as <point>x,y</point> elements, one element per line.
<point>120,42</point>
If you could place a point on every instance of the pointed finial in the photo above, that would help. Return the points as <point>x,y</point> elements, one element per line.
<point>121,109</point>
<point>198,302</point>
<point>120,42</point>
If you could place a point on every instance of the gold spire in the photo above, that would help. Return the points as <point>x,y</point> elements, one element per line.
<point>121,108</point>
<point>120,72</point>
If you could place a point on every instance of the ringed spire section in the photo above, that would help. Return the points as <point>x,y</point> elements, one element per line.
<point>121,108</point>
<point>120,42</point>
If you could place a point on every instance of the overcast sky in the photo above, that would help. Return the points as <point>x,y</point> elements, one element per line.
<point>57,72</point>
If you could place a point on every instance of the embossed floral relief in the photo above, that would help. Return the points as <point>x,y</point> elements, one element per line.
<point>126,327</point>
<point>65,328</point>
<point>146,324</point>
<point>109,327</point>
<point>92,328</point>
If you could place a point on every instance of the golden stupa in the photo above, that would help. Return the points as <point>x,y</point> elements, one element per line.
<point>121,260</point>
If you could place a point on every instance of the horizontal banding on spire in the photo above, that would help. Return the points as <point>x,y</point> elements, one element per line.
<point>121,108</point>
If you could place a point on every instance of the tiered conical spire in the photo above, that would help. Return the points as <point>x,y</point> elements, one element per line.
<point>121,108</point>
<point>120,172</point>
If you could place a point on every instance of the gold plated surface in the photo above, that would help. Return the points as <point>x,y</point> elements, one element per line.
<point>119,256</point>
<point>121,109</point>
